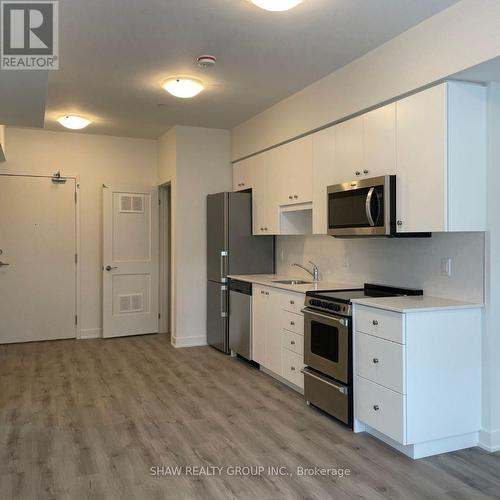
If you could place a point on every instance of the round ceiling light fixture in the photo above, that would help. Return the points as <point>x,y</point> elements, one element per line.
<point>276,5</point>
<point>74,122</point>
<point>183,87</point>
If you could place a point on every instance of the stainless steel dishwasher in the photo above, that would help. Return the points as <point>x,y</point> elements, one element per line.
<point>240,318</point>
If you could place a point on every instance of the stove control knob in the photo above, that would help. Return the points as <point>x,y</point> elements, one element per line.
<point>324,304</point>
<point>337,307</point>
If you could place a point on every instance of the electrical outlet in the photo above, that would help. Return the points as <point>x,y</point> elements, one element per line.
<point>446,266</point>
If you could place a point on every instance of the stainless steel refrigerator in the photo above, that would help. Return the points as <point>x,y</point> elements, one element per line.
<point>231,249</point>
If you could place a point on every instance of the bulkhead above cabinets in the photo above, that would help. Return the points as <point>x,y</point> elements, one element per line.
<point>433,141</point>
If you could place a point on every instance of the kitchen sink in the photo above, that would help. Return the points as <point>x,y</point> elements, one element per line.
<point>292,282</point>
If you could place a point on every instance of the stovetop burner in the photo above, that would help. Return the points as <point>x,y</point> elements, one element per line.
<point>339,301</point>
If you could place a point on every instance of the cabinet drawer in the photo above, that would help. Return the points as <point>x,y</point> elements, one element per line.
<point>293,302</point>
<point>292,364</point>
<point>381,361</point>
<point>384,324</point>
<point>292,322</point>
<point>381,408</point>
<point>293,342</point>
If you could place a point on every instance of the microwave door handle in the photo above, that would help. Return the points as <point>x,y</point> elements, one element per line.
<point>368,207</point>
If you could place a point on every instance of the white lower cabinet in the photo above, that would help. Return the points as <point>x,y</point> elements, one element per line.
<point>278,333</point>
<point>418,378</point>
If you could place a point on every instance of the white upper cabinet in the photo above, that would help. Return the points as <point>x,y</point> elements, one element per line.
<point>348,150</point>
<point>264,200</point>
<point>293,164</point>
<point>379,142</point>
<point>244,174</point>
<point>441,159</point>
<point>323,176</point>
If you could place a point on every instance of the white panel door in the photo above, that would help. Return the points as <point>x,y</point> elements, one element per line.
<point>130,261</point>
<point>38,247</point>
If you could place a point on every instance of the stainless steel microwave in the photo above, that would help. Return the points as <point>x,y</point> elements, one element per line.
<point>364,207</point>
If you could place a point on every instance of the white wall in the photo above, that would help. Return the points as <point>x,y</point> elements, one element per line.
<point>491,345</point>
<point>462,36</point>
<point>413,262</point>
<point>202,166</point>
<point>97,160</point>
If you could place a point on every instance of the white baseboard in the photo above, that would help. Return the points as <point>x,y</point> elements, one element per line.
<point>178,342</point>
<point>91,333</point>
<point>489,440</point>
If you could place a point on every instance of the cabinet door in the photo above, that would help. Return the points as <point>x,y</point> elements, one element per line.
<point>292,163</point>
<point>379,143</point>
<point>259,324</point>
<point>274,332</point>
<point>243,174</point>
<point>422,161</point>
<point>349,150</point>
<point>324,175</point>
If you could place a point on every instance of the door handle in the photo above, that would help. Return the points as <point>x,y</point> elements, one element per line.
<point>368,207</point>
<point>110,268</point>
<point>3,264</point>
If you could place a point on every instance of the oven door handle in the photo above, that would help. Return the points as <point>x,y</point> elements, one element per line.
<point>342,321</point>
<point>341,388</point>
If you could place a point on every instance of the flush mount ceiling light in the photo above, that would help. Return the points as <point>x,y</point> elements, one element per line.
<point>276,5</point>
<point>74,122</point>
<point>183,87</point>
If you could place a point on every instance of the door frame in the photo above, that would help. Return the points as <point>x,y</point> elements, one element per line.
<point>76,180</point>
<point>165,252</point>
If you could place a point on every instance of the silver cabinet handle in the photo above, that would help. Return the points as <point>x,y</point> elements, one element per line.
<point>292,342</point>
<point>110,268</point>
<point>290,197</point>
<point>292,368</point>
<point>376,407</point>
<point>223,255</point>
<point>292,302</point>
<point>223,302</point>
<point>375,322</point>
<point>295,196</point>
<point>365,171</point>
<point>368,207</point>
<point>292,323</point>
<point>399,222</point>
<point>358,172</point>
<point>342,389</point>
<point>3,264</point>
<point>375,360</point>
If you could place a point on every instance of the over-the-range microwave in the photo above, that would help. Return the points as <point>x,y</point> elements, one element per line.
<point>364,207</point>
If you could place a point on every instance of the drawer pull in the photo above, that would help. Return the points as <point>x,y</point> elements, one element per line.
<point>292,302</point>
<point>292,323</point>
<point>375,322</point>
<point>292,368</point>
<point>375,360</point>
<point>376,407</point>
<point>292,342</point>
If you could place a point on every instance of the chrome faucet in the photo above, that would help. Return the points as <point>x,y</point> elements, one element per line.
<point>314,273</point>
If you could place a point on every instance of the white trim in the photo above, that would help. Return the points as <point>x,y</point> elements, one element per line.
<point>90,333</point>
<point>200,340</point>
<point>489,440</point>
<point>430,448</point>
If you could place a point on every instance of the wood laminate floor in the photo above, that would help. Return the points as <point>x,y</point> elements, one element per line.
<point>88,420</point>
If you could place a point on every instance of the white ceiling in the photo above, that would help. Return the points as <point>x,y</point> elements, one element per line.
<point>115,53</point>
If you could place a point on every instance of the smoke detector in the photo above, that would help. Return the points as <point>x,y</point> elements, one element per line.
<point>206,61</point>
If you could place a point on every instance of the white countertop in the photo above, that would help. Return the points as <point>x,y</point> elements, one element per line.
<point>270,280</point>
<point>414,304</point>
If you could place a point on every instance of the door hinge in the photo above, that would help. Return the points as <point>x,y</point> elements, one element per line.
<point>76,320</point>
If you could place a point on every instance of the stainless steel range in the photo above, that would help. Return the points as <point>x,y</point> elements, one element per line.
<point>328,346</point>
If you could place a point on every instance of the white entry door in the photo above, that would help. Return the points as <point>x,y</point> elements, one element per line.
<point>130,261</point>
<point>38,259</point>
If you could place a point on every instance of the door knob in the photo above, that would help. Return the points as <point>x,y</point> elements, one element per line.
<point>2,264</point>
<point>110,268</point>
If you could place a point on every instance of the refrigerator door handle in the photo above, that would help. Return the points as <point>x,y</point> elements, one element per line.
<point>223,302</point>
<point>223,256</point>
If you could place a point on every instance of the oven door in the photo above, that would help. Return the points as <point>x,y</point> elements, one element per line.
<point>362,208</point>
<point>328,344</point>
